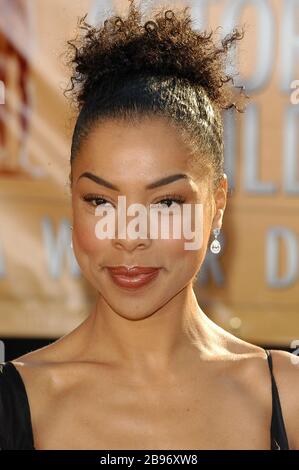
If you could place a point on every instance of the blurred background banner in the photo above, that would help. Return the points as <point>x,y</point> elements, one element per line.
<point>252,287</point>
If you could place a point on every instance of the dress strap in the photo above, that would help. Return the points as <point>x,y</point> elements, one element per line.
<point>279,440</point>
<point>15,420</point>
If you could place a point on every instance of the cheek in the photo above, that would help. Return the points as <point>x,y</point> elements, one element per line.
<point>193,235</point>
<point>84,235</point>
<point>186,255</point>
<point>87,241</point>
<point>180,260</point>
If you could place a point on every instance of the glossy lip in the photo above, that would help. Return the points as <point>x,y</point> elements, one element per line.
<point>133,280</point>
<point>131,271</point>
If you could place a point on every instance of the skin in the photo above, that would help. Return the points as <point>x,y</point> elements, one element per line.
<point>150,370</point>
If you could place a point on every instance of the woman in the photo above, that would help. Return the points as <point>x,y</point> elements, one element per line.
<point>148,369</point>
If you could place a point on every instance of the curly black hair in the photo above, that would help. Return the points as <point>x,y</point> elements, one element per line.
<point>128,68</point>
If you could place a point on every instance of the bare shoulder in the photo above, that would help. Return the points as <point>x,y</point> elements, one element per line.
<point>252,370</point>
<point>246,365</point>
<point>35,364</point>
<point>286,374</point>
<point>40,373</point>
<point>54,354</point>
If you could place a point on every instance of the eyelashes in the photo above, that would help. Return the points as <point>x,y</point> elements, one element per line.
<point>171,198</point>
<point>101,200</point>
<point>93,197</point>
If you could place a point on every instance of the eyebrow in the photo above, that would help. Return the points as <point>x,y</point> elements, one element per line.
<point>162,182</point>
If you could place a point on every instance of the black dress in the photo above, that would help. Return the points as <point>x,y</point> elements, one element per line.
<point>15,420</point>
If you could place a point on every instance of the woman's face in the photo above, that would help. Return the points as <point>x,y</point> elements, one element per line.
<point>130,158</point>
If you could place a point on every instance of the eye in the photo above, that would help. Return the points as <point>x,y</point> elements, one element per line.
<point>95,200</point>
<point>168,199</point>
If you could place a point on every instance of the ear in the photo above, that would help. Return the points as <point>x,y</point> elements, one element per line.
<point>220,202</point>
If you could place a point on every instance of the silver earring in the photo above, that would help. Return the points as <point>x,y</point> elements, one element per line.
<point>215,246</point>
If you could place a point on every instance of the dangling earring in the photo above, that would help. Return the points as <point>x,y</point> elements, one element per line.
<point>71,244</point>
<point>215,246</point>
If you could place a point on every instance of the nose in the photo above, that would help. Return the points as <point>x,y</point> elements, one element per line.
<point>130,244</point>
<point>132,236</point>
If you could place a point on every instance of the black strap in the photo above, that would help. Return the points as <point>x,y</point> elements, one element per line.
<point>15,419</point>
<point>279,440</point>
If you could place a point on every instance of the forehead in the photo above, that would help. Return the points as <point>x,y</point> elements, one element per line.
<point>133,153</point>
<point>148,141</point>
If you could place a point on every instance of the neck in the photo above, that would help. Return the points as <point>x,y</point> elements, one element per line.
<point>164,339</point>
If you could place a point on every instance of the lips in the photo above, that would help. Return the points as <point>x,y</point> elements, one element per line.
<point>131,271</point>
<point>134,277</point>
